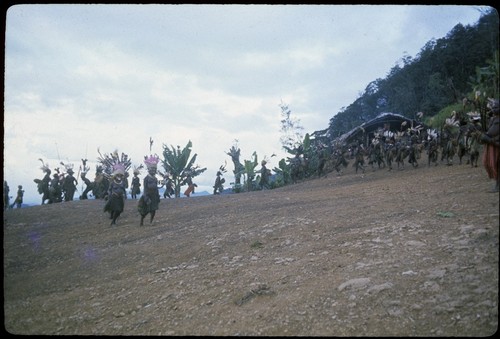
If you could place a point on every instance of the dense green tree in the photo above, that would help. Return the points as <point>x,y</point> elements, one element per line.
<point>178,164</point>
<point>248,172</point>
<point>437,77</point>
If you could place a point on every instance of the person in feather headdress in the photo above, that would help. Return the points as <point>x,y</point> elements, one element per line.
<point>43,184</point>
<point>491,155</point>
<point>19,197</point>
<point>136,183</point>
<point>69,185</point>
<point>55,190</point>
<point>219,180</point>
<point>116,193</point>
<point>89,185</point>
<point>150,199</point>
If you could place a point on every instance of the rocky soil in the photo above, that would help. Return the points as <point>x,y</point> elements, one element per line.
<point>402,253</point>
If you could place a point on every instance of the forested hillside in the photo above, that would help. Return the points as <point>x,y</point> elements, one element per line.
<point>446,71</point>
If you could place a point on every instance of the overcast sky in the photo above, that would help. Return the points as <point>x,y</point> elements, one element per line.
<point>83,77</point>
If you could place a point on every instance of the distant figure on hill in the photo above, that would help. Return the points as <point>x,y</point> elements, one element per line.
<point>219,183</point>
<point>116,193</point>
<point>6,198</point>
<point>44,184</point>
<point>191,186</point>
<point>88,186</point>
<point>264,175</point>
<point>136,184</point>
<point>19,198</point>
<point>55,191</point>
<point>169,186</point>
<point>150,199</point>
<point>69,185</point>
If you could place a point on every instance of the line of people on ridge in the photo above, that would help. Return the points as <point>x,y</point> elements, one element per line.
<point>461,136</point>
<point>386,148</point>
<point>18,201</point>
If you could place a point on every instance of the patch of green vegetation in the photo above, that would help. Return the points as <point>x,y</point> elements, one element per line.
<point>445,214</point>
<point>257,244</point>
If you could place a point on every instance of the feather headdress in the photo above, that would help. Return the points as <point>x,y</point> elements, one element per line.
<point>388,134</point>
<point>118,168</point>
<point>137,169</point>
<point>222,168</point>
<point>474,116</point>
<point>45,167</point>
<point>68,167</point>
<point>112,160</point>
<point>451,122</point>
<point>151,161</point>
<point>85,167</point>
<point>431,134</point>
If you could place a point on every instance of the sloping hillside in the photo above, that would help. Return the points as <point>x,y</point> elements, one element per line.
<point>411,252</point>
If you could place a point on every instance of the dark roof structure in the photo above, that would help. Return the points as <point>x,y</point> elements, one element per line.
<point>391,121</point>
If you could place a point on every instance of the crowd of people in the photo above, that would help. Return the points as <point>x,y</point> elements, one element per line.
<point>461,137</point>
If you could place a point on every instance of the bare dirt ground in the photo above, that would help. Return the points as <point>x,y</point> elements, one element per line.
<point>402,253</point>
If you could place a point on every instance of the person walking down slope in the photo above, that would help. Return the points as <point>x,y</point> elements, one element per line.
<point>136,184</point>
<point>150,199</point>
<point>116,193</point>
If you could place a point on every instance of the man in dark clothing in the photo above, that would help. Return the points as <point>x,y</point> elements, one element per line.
<point>55,192</point>
<point>136,185</point>
<point>264,175</point>
<point>89,186</point>
<point>69,185</point>
<point>219,183</point>
<point>116,194</point>
<point>150,200</point>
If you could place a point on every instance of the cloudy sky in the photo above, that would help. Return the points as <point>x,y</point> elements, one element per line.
<point>83,77</point>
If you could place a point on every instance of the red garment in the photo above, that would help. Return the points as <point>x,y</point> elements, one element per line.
<point>491,160</point>
<point>189,190</point>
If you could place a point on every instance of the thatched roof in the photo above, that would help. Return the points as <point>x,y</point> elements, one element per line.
<point>393,120</point>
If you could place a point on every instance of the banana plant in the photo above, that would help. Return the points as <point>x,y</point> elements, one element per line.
<point>282,173</point>
<point>179,165</point>
<point>234,153</point>
<point>248,171</point>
